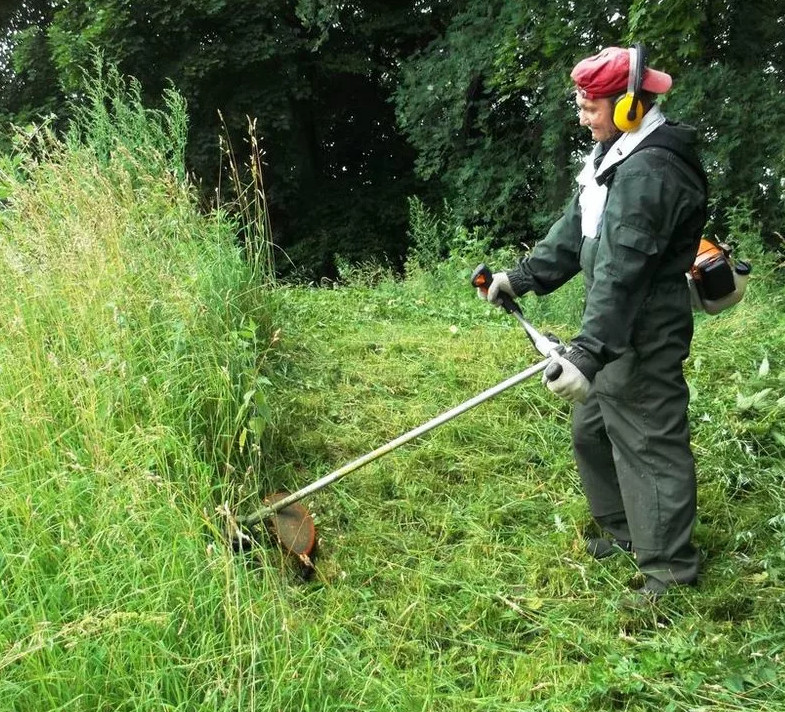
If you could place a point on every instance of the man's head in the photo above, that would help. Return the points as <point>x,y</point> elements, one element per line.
<point>601,80</point>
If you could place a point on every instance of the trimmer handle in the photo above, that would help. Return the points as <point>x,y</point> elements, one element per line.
<point>482,278</point>
<point>553,371</point>
<point>547,345</point>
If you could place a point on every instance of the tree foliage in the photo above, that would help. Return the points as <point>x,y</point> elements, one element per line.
<point>360,105</point>
<point>316,76</point>
<point>29,86</point>
<point>729,66</point>
<point>488,108</point>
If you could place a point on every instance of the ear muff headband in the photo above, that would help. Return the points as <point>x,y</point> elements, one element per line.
<point>628,110</point>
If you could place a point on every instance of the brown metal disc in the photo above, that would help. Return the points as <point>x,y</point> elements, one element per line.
<point>293,527</point>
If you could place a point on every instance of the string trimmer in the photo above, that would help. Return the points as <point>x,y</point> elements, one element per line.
<point>291,523</point>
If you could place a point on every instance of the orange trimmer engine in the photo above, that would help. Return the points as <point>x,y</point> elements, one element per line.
<point>713,270</point>
<point>716,280</point>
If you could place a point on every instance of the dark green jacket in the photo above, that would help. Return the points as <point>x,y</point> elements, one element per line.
<point>634,273</point>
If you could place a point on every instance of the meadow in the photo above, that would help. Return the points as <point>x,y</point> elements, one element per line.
<point>154,380</point>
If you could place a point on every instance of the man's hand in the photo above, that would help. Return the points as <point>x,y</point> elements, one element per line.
<point>578,369</point>
<point>499,285</point>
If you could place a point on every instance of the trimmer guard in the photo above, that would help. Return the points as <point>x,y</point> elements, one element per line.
<point>293,527</point>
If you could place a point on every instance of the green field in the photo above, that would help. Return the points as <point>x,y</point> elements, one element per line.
<point>152,380</point>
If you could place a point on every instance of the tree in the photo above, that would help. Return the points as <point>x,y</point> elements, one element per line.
<point>729,67</point>
<point>28,79</point>
<point>361,104</point>
<point>315,75</point>
<point>487,105</point>
<point>487,108</point>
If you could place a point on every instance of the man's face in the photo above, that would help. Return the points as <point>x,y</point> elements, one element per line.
<point>597,114</point>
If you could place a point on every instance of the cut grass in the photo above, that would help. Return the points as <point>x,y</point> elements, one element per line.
<point>460,556</point>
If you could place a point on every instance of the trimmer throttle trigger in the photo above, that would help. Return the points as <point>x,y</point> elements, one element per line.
<point>482,278</point>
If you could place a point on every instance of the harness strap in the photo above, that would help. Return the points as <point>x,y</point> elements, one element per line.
<point>661,139</point>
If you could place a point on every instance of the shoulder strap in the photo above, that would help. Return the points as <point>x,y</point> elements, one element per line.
<point>687,154</point>
<point>660,139</point>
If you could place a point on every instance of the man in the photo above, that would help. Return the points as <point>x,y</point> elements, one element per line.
<point>633,228</point>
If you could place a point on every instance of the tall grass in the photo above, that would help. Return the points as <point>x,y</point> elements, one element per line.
<point>133,332</point>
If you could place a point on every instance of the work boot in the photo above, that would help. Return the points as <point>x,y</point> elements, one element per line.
<point>601,548</point>
<point>645,597</point>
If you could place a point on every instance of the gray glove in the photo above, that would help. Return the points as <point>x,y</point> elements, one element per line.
<point>500,284</point>
<point>578,369</point>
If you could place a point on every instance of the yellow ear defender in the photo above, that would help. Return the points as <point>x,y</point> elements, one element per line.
<point>628,110</point>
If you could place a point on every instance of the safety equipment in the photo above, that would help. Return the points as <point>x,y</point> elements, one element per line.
<point>562,376</point>
<point>628,109</point>
<point>568,382</point>
<point>606,74</point>
<point>499,286</point>
<point>546,344</point>
<point>716,281</point>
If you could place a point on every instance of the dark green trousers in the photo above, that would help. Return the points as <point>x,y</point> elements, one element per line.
<point>631,444</point>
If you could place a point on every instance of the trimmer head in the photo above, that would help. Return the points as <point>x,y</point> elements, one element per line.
<point>293,527</point>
